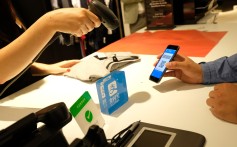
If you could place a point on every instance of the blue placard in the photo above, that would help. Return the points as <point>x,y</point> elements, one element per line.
<point>112,91</point>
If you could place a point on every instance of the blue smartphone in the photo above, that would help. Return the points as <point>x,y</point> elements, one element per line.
<point>160,68</point>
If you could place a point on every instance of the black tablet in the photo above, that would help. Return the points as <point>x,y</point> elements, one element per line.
<point>152,137</point>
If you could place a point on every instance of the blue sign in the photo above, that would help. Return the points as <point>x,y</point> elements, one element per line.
<point>112,91</point>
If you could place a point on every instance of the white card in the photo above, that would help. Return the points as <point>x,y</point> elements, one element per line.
<point>86,113</point>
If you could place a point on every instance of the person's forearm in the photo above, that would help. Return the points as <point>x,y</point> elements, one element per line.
<point>20,53</point>
<point>39,69</point>
<point>220,70</point>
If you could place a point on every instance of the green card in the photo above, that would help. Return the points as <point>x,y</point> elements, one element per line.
<point>86,113</point>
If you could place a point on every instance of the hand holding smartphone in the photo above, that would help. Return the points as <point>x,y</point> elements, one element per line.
<point>160,69</point>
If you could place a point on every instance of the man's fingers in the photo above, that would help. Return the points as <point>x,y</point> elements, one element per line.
<point>159,56</point>
<point>178,57</point>
<point>174,65</point>
<point>169,74</point>
<point>210,102</point>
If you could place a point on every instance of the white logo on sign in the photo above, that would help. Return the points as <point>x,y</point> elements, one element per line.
<point>112,88</point>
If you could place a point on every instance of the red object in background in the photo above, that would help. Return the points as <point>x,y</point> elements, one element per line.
<point>192,42</point>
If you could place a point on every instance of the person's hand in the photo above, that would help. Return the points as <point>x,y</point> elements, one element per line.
<point>40,69</point>
<point>223,102</point>
<point>75,21</point>
<point>184,69</point>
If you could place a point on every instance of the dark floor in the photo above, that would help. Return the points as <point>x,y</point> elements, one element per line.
<point>226,5</point>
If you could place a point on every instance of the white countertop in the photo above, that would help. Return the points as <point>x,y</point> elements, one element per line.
<point>170,103</point>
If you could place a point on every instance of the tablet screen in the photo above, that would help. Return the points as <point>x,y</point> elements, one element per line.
<point>152,138</point>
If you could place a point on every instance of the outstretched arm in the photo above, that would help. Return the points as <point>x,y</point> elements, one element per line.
<point>20,53</point>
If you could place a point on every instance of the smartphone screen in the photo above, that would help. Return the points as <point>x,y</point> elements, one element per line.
<point>160,68</point>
